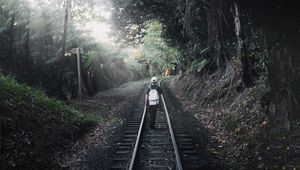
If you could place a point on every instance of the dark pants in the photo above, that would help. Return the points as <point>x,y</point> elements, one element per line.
<point>152,110</point>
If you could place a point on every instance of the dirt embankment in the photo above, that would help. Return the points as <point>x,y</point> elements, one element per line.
<point>234,117</point>
<point>96,149</point>
<point>35,128</point>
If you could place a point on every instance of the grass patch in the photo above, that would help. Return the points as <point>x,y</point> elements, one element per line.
<point>231,123</point>
<point>34,127</point>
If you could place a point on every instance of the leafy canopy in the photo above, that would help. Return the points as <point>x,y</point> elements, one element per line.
<point>155,49</point>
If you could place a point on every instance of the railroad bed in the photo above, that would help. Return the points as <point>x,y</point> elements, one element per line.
<point>168,146</point>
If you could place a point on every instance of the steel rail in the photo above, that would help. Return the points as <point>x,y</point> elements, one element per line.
<point>178,161</point>
<point>177,155</point>
<point>135,150</point>
<point>137,141</point>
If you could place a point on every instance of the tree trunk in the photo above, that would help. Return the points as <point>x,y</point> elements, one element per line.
<point>213,31</point>
<point>67,4</point>
<point>244,62</point>
<point>27,41</point>
<point>237,24</point>
<point>64,41</point>
<point>11,41</point>
<point>28,69</point>
<point>247,71</point>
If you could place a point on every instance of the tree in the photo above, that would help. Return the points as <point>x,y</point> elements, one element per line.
<point>155,50</point>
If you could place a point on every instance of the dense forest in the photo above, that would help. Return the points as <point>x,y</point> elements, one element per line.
<point>240,58</point>
<point>36,45</point>
<point>259,39</point>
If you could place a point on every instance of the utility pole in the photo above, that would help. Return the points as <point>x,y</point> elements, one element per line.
<point>79,72</point>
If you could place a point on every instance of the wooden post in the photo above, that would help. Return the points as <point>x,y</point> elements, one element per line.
<point>79,72</point>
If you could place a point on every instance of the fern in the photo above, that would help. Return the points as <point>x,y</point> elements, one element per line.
<point>198,66</point>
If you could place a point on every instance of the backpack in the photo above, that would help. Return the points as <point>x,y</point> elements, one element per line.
<point>153,97</point>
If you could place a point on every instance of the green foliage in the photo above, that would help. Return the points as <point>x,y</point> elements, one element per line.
<point>21,96</point>
<point>34,126</point>
<point>231,123</point>
<point>155,50</point>
<point>257,53</point>
<point>32,47</point>
<point>199,65</point>
<point>17,8</point>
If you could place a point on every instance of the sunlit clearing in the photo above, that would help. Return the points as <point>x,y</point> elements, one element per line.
<point>100,31</point>
<point>35,3</point>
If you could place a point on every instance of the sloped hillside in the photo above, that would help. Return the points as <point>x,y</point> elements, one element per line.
<point>34,128</point>
<point>238,119</point>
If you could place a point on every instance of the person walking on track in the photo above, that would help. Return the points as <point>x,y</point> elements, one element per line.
<point>152,100</point>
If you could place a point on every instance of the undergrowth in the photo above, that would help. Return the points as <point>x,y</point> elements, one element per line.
<point>234,115</point>
<point>34,127</point>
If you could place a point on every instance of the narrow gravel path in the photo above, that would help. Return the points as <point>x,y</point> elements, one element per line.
<point>200,136</point>
<point>157,149</point>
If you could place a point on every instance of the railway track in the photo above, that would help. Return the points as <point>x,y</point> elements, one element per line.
<point>168,146</point>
